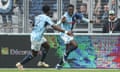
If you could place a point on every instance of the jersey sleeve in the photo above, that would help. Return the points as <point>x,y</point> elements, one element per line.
<point>60,21</point>
<point>36,20</point>
<point>80,17</point>
<point>85,20</point>
<point>77,16</point>
<point>49,21</point>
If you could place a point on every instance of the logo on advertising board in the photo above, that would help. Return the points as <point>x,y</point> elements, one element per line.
<point>4,51</point>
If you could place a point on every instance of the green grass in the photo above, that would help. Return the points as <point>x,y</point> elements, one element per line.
<point>62,70</point>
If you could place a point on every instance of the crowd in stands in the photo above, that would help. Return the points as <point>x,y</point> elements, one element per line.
<point>100,10</point>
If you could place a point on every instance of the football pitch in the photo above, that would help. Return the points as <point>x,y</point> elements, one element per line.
<point>61,70</point>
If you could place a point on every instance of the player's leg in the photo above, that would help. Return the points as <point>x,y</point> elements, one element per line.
<point>69,42</point>
<point>66,40</point>
<point>35,47</point>
<point>26,59</point>
<point>68,50</point>
<point>74,46</point>
<point>63,60</point>
<point>45,50</point>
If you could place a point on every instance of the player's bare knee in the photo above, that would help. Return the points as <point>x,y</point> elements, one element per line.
<point>74,44</point>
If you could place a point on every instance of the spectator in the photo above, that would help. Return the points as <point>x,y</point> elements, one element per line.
<point>97,15</point>
<point>6,7</point>
<point>83,11</point>
<point>99,6</point>
<point>19,3</point>
<point>101,3</point>
<point>105,13</point>
<point>112,25</point>
<point>114,6</point>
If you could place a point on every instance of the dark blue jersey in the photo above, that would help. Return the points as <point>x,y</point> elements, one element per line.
<point>77,16</point>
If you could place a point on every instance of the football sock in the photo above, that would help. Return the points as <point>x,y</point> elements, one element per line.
<point>67,54</point>
<point>27,59</point>
<point>61,62</point>
<point>69,51</point>
<point>44,53</point>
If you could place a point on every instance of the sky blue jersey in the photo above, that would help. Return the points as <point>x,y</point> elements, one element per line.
<point>40,25</point>
<point>67,25</point>
<point>70,20</point>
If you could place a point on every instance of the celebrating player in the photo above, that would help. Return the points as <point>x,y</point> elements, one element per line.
<point>67,22</point>
<point>37,38</point>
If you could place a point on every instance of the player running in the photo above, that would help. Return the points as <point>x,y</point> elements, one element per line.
<point>37,38</point>
<point>67,22</point>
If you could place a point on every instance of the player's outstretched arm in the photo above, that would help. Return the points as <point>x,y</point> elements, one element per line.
<point>61,30</point>
<point>87,20</point>
<point>81,17</point>
<point>62,20</point>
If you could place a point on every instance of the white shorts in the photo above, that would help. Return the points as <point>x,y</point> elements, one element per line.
<point>66,38</point>
<point>36,45</point>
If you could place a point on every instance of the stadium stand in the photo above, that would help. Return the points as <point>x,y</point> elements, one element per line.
<point>26,10</point>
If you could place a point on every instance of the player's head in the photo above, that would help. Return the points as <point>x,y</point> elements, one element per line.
<point>112,15</point>
<point>70,9</point>
<point>46,9</point>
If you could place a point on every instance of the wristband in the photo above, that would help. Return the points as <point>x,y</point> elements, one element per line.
<point>66,32</point>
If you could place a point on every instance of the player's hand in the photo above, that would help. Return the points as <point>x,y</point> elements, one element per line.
<point>91,21</point>
<point>63,19</point>
<point>70,33</point>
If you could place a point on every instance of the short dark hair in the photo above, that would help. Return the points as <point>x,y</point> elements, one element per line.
<point>45,8</point>
<point>84,4</point>
<point>70,5</point>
